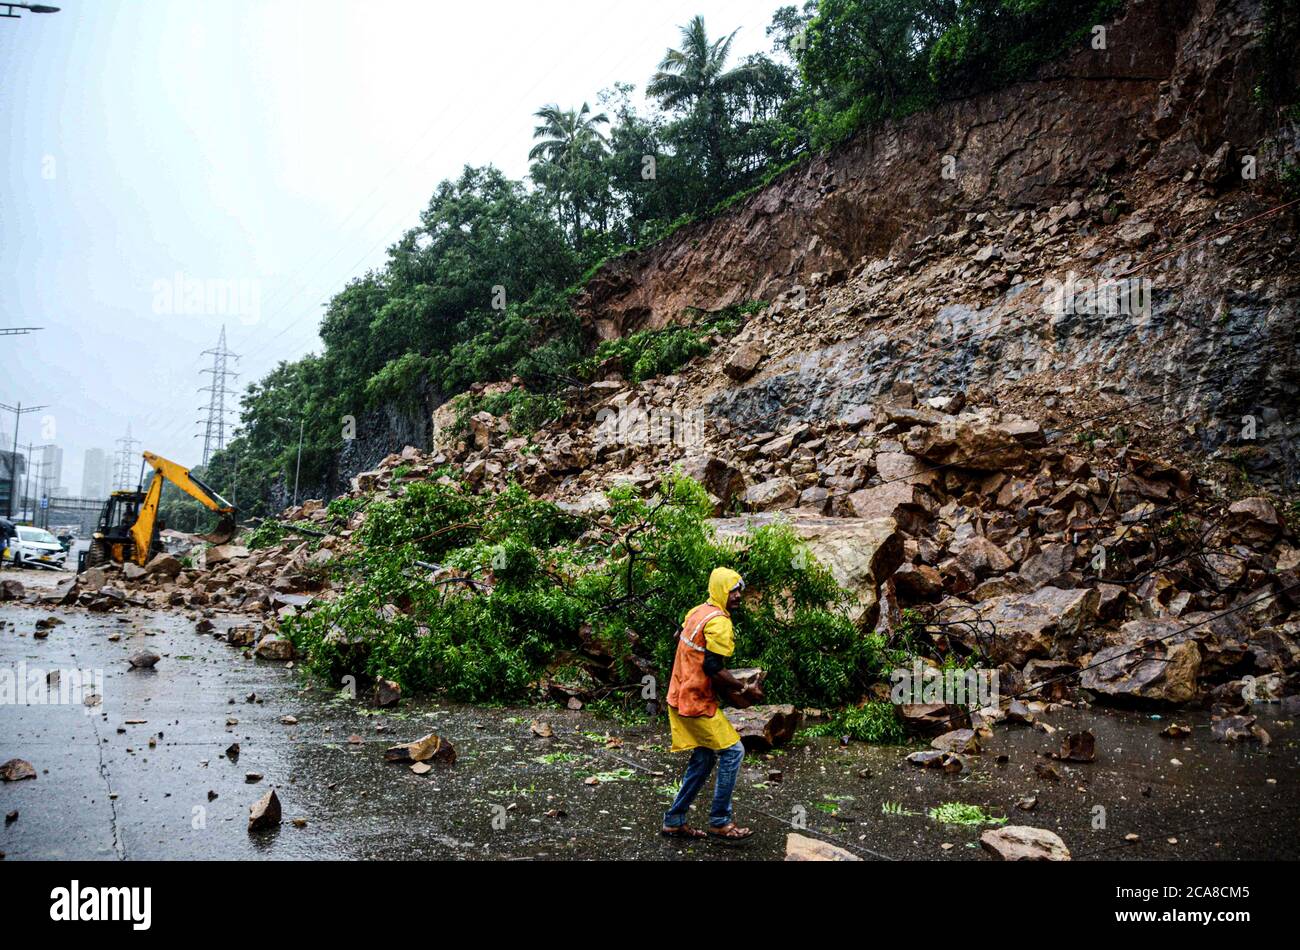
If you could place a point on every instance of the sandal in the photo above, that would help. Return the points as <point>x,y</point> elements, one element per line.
<point>730,832</point>
<point>682,831</point>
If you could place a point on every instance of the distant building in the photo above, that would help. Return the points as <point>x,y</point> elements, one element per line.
<point>8,461</point>
<point>96,474</point>
<point>51,469</point>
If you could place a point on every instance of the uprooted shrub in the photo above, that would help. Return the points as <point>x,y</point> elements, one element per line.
<point>477,596</point>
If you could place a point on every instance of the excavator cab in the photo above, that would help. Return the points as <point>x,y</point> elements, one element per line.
<point>112,539</point>
<point>128,525</point>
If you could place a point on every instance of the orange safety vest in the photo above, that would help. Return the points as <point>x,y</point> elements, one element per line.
<point>690,691</point>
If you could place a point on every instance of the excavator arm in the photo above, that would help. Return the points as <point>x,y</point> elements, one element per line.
<point>142,532</point>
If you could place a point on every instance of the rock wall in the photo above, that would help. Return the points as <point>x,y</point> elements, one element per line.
<point>1120,167</point>
<point>1171,87</point>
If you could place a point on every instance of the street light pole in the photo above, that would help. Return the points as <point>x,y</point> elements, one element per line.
<point>27,487</point>
<point>29,7</point>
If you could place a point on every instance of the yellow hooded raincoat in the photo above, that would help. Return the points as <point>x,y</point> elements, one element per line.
<point>710,730</point>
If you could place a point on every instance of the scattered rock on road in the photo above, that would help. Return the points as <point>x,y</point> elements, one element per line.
<point>761,728</point>
<point>387,694</point>
<point>803,848</point>
<point>1023,843</point>
<point>15,770</point>
<point>264,813</point>
<point>432,748</point>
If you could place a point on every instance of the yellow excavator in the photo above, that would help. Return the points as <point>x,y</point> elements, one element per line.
<point>128,525</point>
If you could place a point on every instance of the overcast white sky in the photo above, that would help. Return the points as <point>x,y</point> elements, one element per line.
<point>279,143</point>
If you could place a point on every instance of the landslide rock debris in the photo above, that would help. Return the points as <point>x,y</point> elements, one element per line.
<point>264,814</point>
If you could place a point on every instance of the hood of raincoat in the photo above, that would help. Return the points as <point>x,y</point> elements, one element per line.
<point>722,582</point>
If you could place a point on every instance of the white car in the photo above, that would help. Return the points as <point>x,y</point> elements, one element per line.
<point>36,547</point>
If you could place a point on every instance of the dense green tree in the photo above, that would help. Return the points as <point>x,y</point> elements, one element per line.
<point>695,83</point>
<point>567,158</point>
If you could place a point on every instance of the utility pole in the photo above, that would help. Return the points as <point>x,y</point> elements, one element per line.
<point>27,489</point>
<point>298,468</point>
<point>18,411</point>
<point>125,456</point>
<point>214,431</point>
<point>302,423</point>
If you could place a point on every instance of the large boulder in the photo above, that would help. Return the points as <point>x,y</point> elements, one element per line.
<point>1051,561</point>
<point>271,647</point>
<point>481,426</point>
<point>743,360</point>
<point>802,848</point>
<point>163,564</point>
<point>967,443</point>
<point>773,495</point>
<point>1149,671</point>
<point>981,557</point>
<point>92,578</point>
<point>907,504</point>
<point>444,424</point>
<point>1023,843</point>
<point>762,728</point>
<point>918,582</point>
<point>1025,626</point>
<point>901,467</point>
<point>224,553</point>
<point>932,718</point>
<point>720,478</point>
<point>1254,519</point>
<point>860,554</point>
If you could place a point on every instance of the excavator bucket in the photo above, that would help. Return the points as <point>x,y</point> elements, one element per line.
<point>224,531</point>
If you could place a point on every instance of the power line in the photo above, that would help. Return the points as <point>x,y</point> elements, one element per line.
<point>214,433</point>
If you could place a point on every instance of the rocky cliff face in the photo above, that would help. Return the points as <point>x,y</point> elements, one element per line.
<point>1086,233</point>
<point>1170,88</point>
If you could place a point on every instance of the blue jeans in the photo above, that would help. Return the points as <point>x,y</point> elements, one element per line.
<point>697,773</point>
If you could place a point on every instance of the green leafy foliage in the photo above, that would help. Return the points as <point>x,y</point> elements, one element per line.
<point>956,813</point>
<point>871,60</point>
<point>649,353</point>
<point>267,534</point>
<point>527,411</point>
<point>524,582</point>
<point>876,722</point>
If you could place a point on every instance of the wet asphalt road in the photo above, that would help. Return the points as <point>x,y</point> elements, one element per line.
<point>104,791</point>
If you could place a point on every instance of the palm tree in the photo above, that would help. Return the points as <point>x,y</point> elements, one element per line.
<point>566,133</point>
<point>568,136</point>
<point>695,79</point>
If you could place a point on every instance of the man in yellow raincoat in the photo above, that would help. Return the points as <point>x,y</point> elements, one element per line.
<point>698,725</point>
